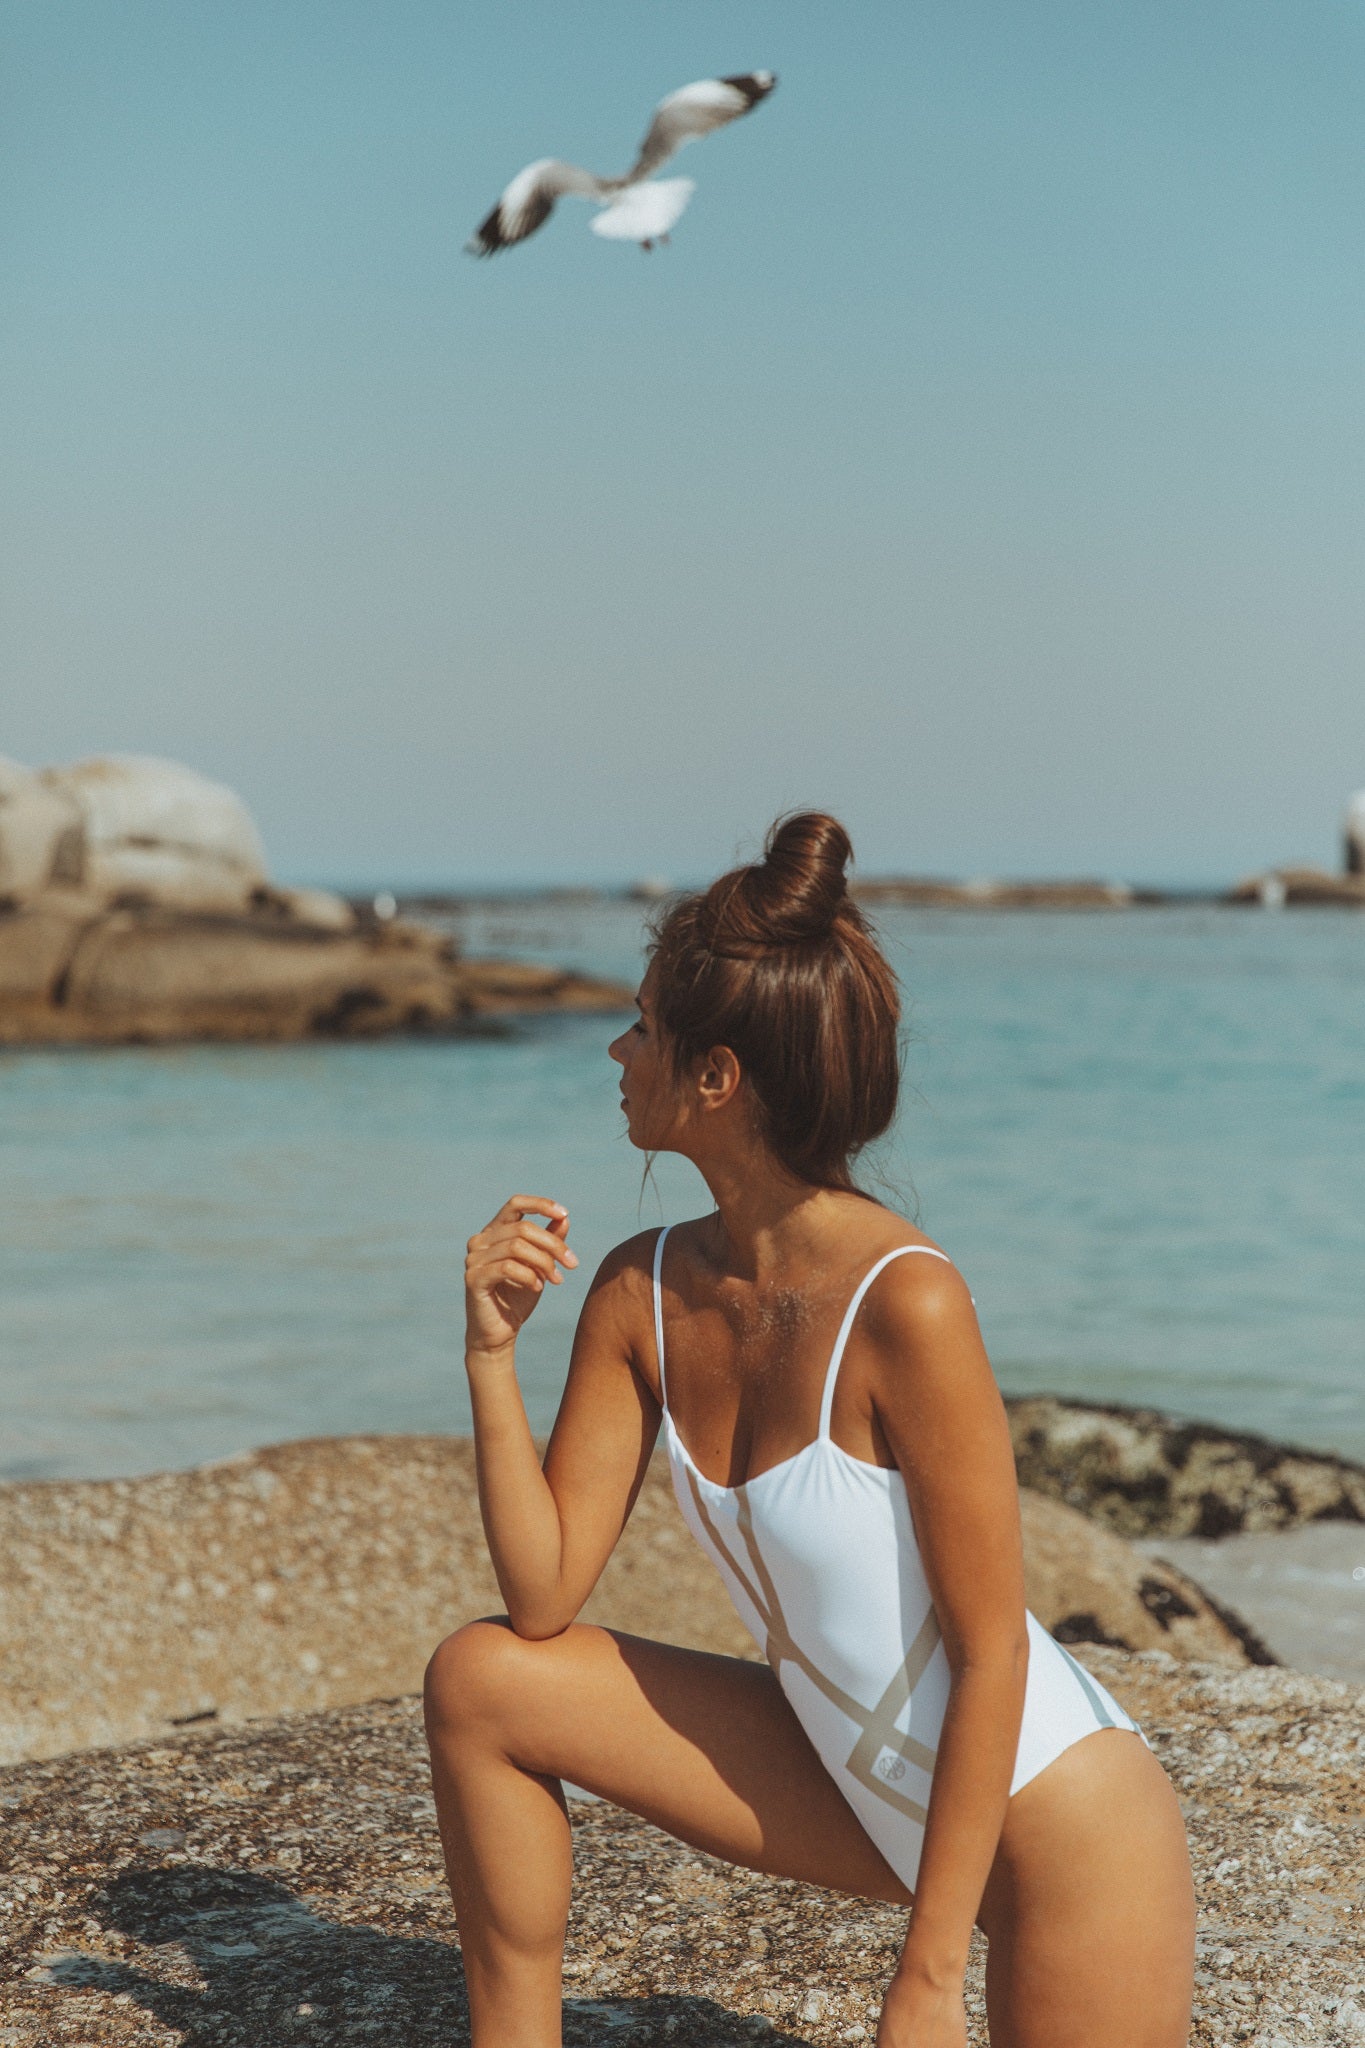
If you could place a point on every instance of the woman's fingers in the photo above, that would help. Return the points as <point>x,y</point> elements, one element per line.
<point>525,1254</point>
<point>518,1206</point>
<point>518,1246</point>
<point>515,1256</point>
<point>498,1235</point>
<point>548,1240</point>
<point>538,1251</point>
<point>519,1274</point>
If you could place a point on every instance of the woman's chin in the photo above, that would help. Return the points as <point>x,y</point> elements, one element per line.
<point>643,1139</point>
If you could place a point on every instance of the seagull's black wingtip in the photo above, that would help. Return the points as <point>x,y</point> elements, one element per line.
<point>755,85</point>
<point>488,236</point>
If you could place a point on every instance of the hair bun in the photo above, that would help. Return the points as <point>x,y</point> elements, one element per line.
<point>776,961</point>
<point>801,885</point>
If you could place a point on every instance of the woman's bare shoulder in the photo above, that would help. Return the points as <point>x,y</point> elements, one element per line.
<point>631,1262</point>
<point>622,1288</point>
<point>918,1303</point>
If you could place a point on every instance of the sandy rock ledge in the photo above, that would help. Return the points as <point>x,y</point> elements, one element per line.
<point>280,1883</point>
<point>323,1573</point>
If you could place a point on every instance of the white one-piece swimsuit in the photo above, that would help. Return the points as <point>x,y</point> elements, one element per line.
<point>820,1559</point>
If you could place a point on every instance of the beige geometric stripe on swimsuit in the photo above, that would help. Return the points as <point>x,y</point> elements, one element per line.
<point>878,1724</point>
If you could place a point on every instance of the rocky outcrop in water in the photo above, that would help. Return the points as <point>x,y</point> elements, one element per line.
<point>930,892</point>
<point>1143,1473</point>
<point>319,1573</point>
<point>281,1884</point>
<point>135,908</point>
<point>1301,888</point>
<point>75,972</point>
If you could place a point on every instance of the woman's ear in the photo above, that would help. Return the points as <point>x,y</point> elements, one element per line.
<point>719,1078</point>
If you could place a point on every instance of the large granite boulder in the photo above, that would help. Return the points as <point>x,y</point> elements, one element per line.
<point>128,825</point>
<point>317,1573</point>
<point>135,907</point>
<point>281,1884</point>
<point>159,830</point>
<point>42,834</point>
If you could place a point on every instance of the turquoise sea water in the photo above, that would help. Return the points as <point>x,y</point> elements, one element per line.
<point>1141,1135</point>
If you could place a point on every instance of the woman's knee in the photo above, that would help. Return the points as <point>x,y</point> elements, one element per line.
<point>468,1674</point>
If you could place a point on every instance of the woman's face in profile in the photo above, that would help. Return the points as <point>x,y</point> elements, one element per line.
<point>646,1081</point>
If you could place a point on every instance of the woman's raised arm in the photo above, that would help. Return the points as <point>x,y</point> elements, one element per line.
<point>550,1531</point>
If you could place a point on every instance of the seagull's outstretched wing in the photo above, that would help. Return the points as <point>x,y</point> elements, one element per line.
<point>693,111</point>
<point>529,201</point>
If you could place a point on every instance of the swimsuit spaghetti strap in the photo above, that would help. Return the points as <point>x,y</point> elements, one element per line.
<point>659,1310</point>
<point>827,1400</point>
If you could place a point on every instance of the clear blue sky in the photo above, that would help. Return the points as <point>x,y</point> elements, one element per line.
<point>984,459</point>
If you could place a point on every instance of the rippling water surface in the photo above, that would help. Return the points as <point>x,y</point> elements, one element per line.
<point>1141,1135</point>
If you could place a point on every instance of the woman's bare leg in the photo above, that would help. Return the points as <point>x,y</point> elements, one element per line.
<point>706,1747</point>
<point>1090,1906</point>
<point>1089,1910</point>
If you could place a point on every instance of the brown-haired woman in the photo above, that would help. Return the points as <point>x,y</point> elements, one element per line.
<point>839,1447</point>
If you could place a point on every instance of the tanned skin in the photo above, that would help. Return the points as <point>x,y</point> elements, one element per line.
<point>1081,1882</point>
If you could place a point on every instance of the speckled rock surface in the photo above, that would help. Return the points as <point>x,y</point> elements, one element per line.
<point>304,1576</point>
<point>1143,1473</point>
<point>315,1574</point>
<point>280,1884</point>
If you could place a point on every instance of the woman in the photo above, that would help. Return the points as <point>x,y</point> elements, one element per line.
<point>839,1447</point>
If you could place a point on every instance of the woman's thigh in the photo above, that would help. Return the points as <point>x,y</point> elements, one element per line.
<point>1089,1910</point>
<point>706,1747</point>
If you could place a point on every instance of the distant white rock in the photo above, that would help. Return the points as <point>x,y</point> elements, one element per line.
<point>156,828</point>
<point>129,825</point>
<point>42,833</point>
<point>650,889</point>
<point>321,908</point>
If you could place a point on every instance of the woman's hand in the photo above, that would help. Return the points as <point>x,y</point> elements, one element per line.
<point>917,2014</point>
<point>507,1267</point>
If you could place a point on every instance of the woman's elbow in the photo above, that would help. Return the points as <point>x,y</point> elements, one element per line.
<point>538,1624</point>
<point>1001,1657</point>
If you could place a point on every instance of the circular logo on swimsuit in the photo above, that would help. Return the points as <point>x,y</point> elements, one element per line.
<point>891,1766</point>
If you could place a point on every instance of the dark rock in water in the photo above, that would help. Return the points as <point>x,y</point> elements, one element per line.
<point>281,1883</point>
<point>1143,1473</point>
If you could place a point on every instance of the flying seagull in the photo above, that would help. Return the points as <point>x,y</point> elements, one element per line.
<point>639,207</point>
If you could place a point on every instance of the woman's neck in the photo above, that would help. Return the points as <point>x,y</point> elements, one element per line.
<point>766,1220</point>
